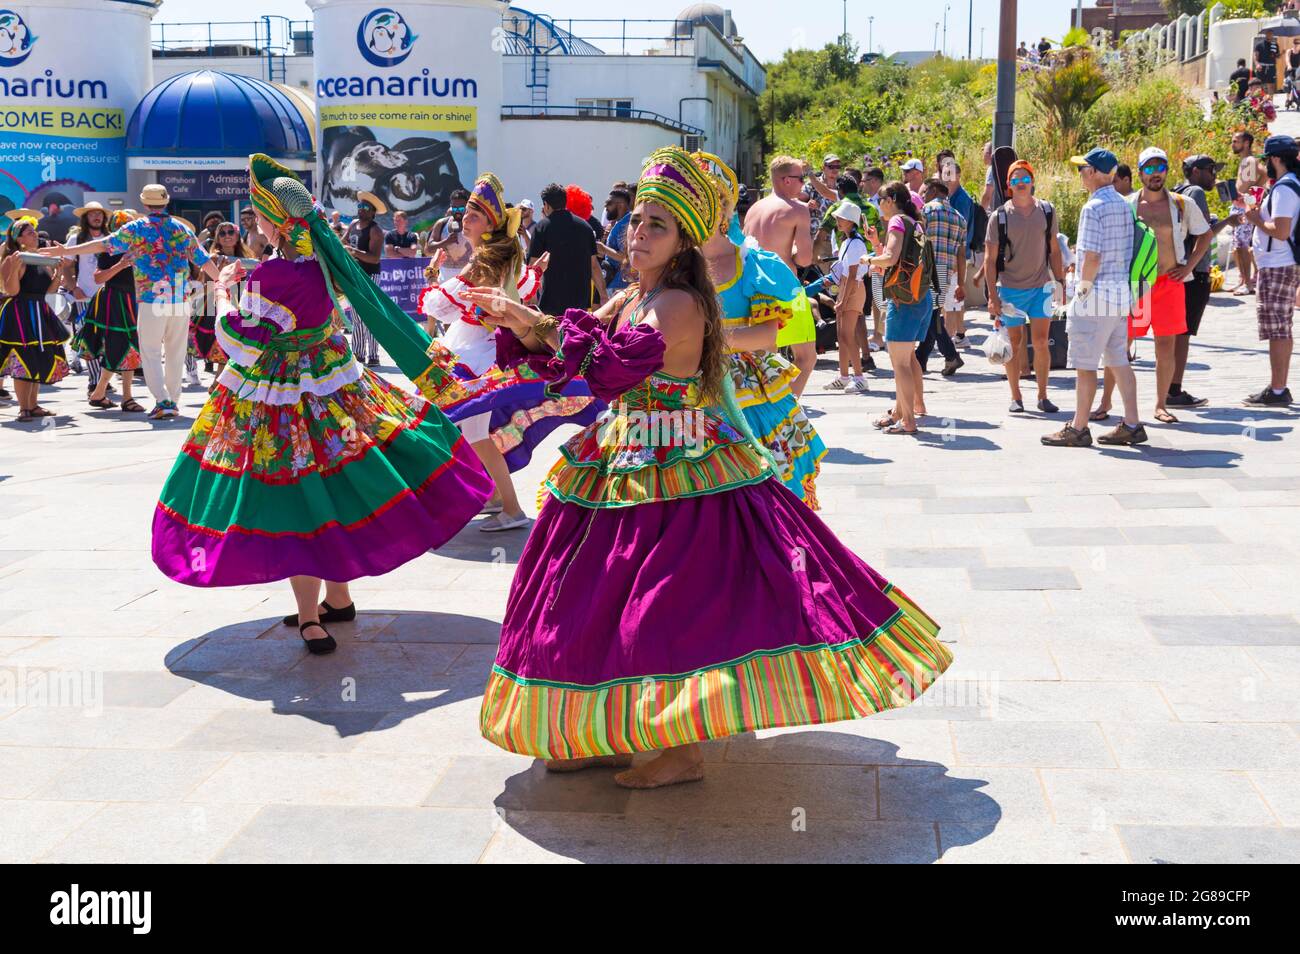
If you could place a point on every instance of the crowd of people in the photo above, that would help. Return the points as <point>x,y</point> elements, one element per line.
<point>678,333</point>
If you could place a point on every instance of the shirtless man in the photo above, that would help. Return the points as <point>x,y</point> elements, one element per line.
<point>779,223</point>
<point>1164,308</point>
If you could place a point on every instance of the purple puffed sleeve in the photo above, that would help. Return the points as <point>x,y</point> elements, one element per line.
<point>610,362</point>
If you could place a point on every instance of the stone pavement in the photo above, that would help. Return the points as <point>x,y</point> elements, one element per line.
<point>1126,685</point>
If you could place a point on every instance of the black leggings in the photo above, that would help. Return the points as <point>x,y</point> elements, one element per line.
<point>937,334</point>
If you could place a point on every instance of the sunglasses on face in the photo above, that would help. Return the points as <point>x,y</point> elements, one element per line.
<point>456,208</point>
<point>1153,167</point>
<point>1022,180</point>
<point>227,231</point>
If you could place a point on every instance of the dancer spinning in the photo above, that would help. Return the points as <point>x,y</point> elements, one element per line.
<point>757,291</point>
<point>503,415</point>
<point>108,334</point>
<point>303,464</point>
<point>31,336</point>
<point>672,591</point>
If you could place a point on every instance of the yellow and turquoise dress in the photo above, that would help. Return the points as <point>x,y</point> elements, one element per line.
<point>765,289</point>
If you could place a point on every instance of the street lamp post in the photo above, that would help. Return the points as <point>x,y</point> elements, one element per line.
<point>981,43</point>
<point>844,37</point>
<point>1004,117</point>
<point>871,34</point>
<point>935,44</point>
<point>946,8</point>
<point>970,28</point>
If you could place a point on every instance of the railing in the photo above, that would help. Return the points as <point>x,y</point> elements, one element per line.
<point>271,35</point>
<point>592,37</point>
<point>601,112</point>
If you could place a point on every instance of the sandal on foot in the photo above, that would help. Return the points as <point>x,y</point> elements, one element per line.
<point>131,406</point>
<point>1099,415</point>
<point>898,428</point>
<point>104,404</point>
<point>344,614</point>
<point>320,645</point>
<point>1164,417</point>
<point>887,421</point>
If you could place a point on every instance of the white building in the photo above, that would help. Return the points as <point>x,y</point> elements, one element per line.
<point>582,101</point>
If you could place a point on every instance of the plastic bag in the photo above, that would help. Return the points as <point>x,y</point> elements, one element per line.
<point>997,346</point>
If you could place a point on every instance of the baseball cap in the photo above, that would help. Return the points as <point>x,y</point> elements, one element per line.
<point>1280,146</point>
<point>1103,160</point>
<point>527,204</point>
<point>912,164</point>
<point>1151,152</point>
<point>1201,161</point>
<point>829,158</point>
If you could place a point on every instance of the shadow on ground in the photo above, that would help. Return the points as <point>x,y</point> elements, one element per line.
<point>803,796</point>
<point>389,666</point>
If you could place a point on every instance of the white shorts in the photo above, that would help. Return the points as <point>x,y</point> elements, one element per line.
<point>948,282</point>
<point>475,428</point>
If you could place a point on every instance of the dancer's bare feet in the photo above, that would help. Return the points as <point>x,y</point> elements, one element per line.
<point>684,763</point>
<point>595,761</point>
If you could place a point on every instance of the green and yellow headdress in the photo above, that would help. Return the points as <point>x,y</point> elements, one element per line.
<point>723,176</point>
<point>16,225</point>
<point>673,179</point>
<point>279,195</point>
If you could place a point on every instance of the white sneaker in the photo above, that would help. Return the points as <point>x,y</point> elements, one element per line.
<point>858,386</point>
<point>839,384</point>
<point>490,508</point>
<point>499,522</point>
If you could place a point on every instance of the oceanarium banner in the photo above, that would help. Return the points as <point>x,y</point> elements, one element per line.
<point>398,100</point>
<point>65,96</point>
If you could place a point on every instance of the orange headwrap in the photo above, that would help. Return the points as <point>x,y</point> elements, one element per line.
<point>1020,164</point>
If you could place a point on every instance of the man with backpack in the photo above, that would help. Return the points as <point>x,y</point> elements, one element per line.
<point>1098,314</point>
<point>1276,258</point>
<point>1163,309</point>
<point>1021,260</point>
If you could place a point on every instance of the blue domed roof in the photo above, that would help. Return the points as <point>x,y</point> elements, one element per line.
<point>210,113</point>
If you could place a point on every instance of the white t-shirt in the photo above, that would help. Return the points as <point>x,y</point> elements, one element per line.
<point>1285,204</point>
<point>850,254</point>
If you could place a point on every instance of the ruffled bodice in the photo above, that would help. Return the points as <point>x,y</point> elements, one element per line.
<point>466,336</point>
<point>762,290</point>
<point>658,440</point>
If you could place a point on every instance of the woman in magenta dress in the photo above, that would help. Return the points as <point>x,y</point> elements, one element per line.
<point>303,465</point>
<point>673,589</point>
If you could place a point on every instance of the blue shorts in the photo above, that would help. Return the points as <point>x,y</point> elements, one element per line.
<point>909,322</point>
<point>1034,302</point>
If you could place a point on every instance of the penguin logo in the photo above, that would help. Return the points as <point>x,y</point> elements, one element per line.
<point>383,37</point>
<point>15,39</point>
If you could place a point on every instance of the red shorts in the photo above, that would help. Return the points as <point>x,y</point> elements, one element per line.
<point>1163,310</point>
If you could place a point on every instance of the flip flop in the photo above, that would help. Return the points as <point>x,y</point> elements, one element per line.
<point>1164,417</point>
<point>1099,415</point>
<point>898,428</point>
<point>884,422</point>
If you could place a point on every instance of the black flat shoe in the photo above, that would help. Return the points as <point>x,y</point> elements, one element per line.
<point>322,645</point>
<point>345,614</point>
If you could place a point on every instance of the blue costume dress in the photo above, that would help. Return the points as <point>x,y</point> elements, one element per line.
<point>764,289</point>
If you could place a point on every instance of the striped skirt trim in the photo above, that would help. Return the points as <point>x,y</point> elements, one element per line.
<point>788,686</point>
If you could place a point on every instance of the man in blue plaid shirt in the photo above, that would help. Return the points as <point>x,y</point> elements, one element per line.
<point>946,229</point>
<point>1098,316</point>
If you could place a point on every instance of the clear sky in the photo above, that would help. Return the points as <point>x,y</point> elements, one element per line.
<point>768,26</point>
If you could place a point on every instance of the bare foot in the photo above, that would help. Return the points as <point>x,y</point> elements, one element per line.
<point>682,764</point>
<point>595,761</point>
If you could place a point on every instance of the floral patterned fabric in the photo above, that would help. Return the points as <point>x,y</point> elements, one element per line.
<point>164,249</point>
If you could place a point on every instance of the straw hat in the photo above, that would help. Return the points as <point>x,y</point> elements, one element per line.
<point>155,194</point>
<point>378,203</point>
<point>94,205</point>
<point>17,214</point>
